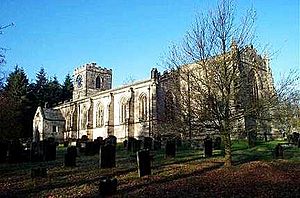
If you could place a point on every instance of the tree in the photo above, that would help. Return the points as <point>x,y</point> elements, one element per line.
<point>13,111</point>
<point>212,80</point>
<point>2,55</point>
<point>67,88</point>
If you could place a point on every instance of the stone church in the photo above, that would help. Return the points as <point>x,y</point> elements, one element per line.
<point>134,110</point>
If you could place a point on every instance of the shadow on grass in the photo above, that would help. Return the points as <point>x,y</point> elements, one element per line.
<point>172,178</point>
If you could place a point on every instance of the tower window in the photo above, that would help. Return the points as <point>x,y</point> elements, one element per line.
<point>98,82</point>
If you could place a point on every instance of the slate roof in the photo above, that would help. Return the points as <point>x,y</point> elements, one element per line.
<point>52,114</point>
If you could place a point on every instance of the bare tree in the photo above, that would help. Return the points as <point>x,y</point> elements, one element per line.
<point>216,72</point>
<point>2,54</point>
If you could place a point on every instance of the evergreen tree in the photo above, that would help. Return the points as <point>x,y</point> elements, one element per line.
<point>14,105</point>
<point>40,87</point>
<point>67,89</point>
<point>53,92</point>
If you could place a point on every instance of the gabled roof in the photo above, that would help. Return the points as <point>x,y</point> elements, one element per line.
<point>50,114</point>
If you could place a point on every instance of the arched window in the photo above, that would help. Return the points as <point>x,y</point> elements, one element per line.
<point>143,107</point>
<point>98,82</point>
<point>100,116</point>
<point>83,118</point>
<point>124,110</point>
<point>253,85</point>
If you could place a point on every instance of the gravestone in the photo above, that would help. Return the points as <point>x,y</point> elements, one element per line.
<point>84,138</point>
<point>136,145</point>
<point>112,140</point>
<point>170,149</point>
<point>207,147</point>
<point>107,156</point>
<point>217,143</point>
<point>125,143</point>
<point>130,143</point>
<point>278,151</point>
<point>38,172</point>
<point>15,150</point>
<point>90,148</point>
<point>66,143</point>
<point>178,141</point>
<point>295,137</point>
<point>107,186</point>
<point>143,162</point>
<point>70,156</point>
<point>148,143</point>
<point>156,145</point>
<point>3,150</point>
<point>49,150</point>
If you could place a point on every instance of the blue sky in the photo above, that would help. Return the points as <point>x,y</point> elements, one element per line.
<point>129,36</point>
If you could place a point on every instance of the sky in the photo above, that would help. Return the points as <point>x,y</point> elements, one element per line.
<point>128,36</point>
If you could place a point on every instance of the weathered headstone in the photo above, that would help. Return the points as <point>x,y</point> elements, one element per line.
<point>70,156</point>
<point>148,143</point>
<point>170,149</point>
<point>217,143</point>
<point>107,186</point>
<point>107,156</point>
<point>208,147</point>
<point>38,172</point>
<point>278,151</point>
<point>143,162</point>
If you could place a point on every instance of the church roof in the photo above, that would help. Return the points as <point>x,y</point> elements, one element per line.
<point>52,114</point>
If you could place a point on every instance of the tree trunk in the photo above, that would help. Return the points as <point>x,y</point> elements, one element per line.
<point>227,148</point>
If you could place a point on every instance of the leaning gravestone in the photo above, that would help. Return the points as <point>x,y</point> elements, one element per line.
<point>207,147</point>
<point>107,186</point>
<point>148,143</point>
<point>143,162</point>
<point>170,149</point>
<point>70,156</point>
<point>217,143</point>
<point>107,156</point>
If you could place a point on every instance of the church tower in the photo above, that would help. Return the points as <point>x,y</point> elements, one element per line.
<point>89,79</point>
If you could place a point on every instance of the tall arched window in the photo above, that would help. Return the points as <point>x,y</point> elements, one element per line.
<point>143,107</point>
<point>253,85</point>
<point>98,82</point>
<point>100,116</point>
<point>83,118</point>
<point>123,110</point>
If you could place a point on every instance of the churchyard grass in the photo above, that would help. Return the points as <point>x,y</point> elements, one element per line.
<point>83,179</point>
